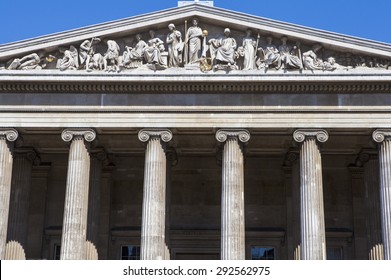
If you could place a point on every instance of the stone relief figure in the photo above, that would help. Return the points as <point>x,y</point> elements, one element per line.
<point>175,46</point>
<point>152,53</point>
<point>331,65</point>
<point>193,43</point>
<point>223,51</point>
<point>272,55</point>
<point>289,57</point>
<point>70,60</point>
<point>133,57</point>
<point>247,50</point>
<point>111,57</point>
<point>87,51</point>
<point>311,60</point>
<point>28,62</point>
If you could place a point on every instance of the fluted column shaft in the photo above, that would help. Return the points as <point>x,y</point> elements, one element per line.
<point>6,160</point>
<point>74,230</point>
<point>371,180</point>
<point>232,195</point>
<point>19,203</point>
<point>153,246</point>
<point>313,236</point>
<point>384,138</point>
<point>94,197</point>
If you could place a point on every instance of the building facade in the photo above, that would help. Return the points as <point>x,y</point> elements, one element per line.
<point>195,133</point>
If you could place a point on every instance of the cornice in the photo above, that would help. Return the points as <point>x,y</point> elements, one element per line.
<point>218,15</point>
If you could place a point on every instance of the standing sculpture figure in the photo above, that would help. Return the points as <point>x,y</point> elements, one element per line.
<point>223,49</point>
<point>175,46</point>
<point>152,53</point>
<point>289,57</point>
<point>249,47</point>
<point>87,51</point>
<point>311,60</point>
<point>112,55</point>
<point>193,42</point>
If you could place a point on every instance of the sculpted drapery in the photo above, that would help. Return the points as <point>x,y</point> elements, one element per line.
<point>193,41</point>
<point>223,49</point>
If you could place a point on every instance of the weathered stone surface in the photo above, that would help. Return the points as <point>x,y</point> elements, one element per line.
<point>232,194</point>
<point>153,246</point>
<point>19,203</point>
<point>6,160</point>
<point>313,234</point>
<point>383,136</point>
<point>74,230</point>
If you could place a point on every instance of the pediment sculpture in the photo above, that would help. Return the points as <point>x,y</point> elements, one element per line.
<point>196,49</point>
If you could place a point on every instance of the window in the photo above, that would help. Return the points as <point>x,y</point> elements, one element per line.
<point>56,252</point>
<point>130,252</point>
<point>262,253</point>
<point>334,253</point>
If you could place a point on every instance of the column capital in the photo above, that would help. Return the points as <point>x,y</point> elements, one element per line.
<point>87,133</point>
<point>242,134</point>
<point>301,134</point>
<point>164,134</point>
<point>28,153</point>
<point>9,133</point>
<point>379,135</point>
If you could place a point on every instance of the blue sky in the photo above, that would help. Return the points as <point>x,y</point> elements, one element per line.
<point>24,19</point>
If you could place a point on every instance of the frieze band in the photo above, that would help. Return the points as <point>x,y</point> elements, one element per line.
<point>195,49</point>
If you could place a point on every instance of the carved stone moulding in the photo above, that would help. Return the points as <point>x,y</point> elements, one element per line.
<point>242,134</point>
<point>225,87</point>
<point>379,135</point>
<point>9,133</point>
<point>164,134</point>
<point>88,134</point>
<point>301,134</point>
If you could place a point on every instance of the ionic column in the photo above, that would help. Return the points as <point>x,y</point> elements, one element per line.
<point>383,136</point>
<point>153,246</point>
<point>372,193</point>
<point>6,136</point>
<point>19,204</point>
<point>232,196</point>
<point>313,236</point>
<point>94,196</point>
<point>74,229</point>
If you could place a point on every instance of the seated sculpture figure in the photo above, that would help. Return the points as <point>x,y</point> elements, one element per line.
<point>133,57</point>
<point>311,60</point>
<point>272,55</point>
<point>289,57</point>
<point>152,53</point>
<point>111,56</point>
<point>223,51</point>
<point>70,60</point>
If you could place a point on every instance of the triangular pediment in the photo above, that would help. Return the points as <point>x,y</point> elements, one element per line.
<point>347,52</point>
